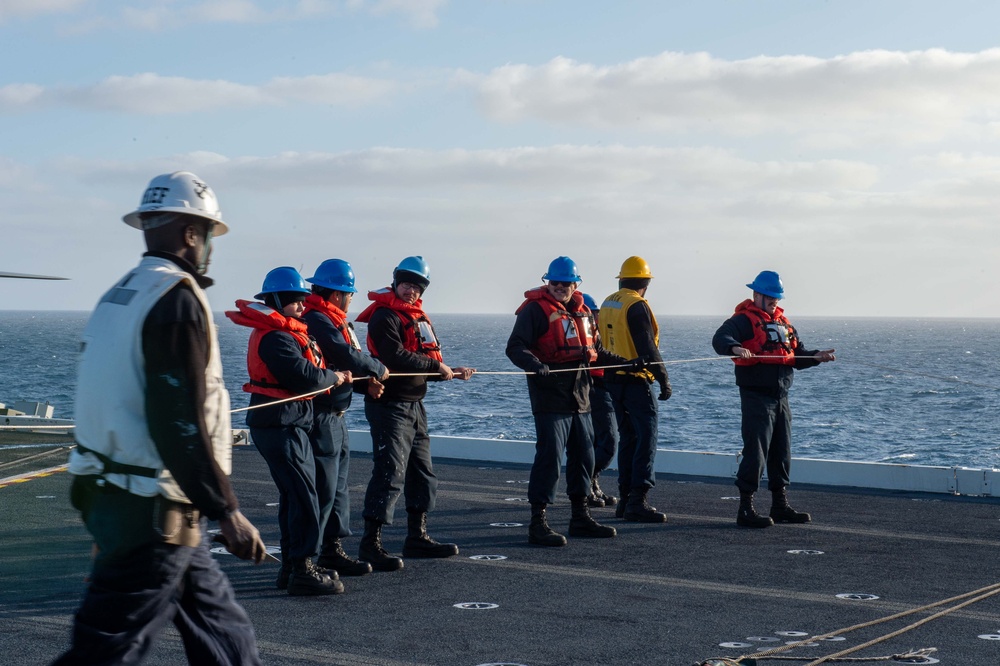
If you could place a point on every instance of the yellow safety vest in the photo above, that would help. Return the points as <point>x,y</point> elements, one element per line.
<point>615,334</point>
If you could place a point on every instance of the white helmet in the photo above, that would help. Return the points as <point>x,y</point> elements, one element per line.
<point>179,192</point>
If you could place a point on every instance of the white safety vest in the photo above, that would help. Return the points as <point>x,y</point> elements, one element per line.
<point>111,387</point>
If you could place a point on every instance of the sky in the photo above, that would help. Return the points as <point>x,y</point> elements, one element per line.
<point>851,146</point>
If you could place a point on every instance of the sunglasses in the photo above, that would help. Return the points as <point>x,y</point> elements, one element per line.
<point>557,283</point>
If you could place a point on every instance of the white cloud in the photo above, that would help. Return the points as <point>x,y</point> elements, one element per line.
<point>915,95</point>
<point>422,13</point>
<point>28,8</point>
<point>556,168</point>
<point>152,94</point>
<point>20,95</point>
<point>706,219</point>
<point>169,15</point>
<point>330,89</point>
<point>162,15</point>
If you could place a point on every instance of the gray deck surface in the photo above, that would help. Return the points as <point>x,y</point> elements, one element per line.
<point>656,594</point>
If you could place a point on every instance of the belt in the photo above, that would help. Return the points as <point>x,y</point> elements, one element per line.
<point>176,523</point>
<point>173,522</point>
<point>626,378</point>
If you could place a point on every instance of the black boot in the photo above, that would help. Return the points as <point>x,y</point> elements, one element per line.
<point>748,516</point>
<point>781,512</point>
<point>307,580</point>
<point>595,501</point>
<point>335,558</point>
<point>419,544</point>
<point>539,532</point>
<point>624,491</point>
<point>595,489</point>
<point>371,549</point>
<point>284,574</point>
<point>637,510</point>
<point>581,524</point>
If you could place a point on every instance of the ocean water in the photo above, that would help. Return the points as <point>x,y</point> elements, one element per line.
<point>920,391</point>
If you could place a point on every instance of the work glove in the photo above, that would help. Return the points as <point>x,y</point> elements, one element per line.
<point>542,370</point>
<point>665,391</point>
<point>636,365</point>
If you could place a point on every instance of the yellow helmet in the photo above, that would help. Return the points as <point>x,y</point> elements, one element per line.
<point>635,267</point>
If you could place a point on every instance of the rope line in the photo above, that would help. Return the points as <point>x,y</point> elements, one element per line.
<point>952,379</point>
<point>970,598</point>
<point>44,454</point>
<point>584,368</point>
<point>552,371</point>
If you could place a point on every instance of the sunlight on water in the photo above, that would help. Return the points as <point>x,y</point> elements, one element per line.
<point>902,390</point>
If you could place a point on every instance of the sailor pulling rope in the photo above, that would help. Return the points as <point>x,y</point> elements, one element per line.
<point>521,372</point>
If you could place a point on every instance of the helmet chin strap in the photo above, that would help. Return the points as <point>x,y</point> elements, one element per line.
<point>206,250</point>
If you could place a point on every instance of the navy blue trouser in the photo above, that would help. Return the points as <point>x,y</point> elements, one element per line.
<point>289,457</point>
<point>602,413</point>
<point>332,452</point>
<point>139,584</point>
<point>636,412</point>
<point>767,440</point>
<point>555,433</point>
<point>401,460</point>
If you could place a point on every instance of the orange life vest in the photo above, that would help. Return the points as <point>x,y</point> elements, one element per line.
<point>570,336</point>
<point>774,338</point>
<point>337,316</point>
<point>418,331</point>
<point>599,372</point>
<point>263,319</point>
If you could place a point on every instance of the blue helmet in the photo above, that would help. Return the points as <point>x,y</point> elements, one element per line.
<point>769,284</point>
<point>284,278</point>
<point>413,270</point>
<point>562,269</point>
<point>334,274</point>
<point>589,301</point>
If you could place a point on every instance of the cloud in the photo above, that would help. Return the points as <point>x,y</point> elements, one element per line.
<point>706,219</point>
<point>917,94</point>
<point>152,94</point>
<point>422,13</point>
<point>28,8</point>
<point>163,15</point>
<point>565,168</point>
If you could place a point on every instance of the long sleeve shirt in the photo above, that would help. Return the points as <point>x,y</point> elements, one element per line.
<point>339,355</point>
<point>770,377</point>
<point>283,356</point>
<point>385,331</point>
<point>560,392</point>
<point>175,345</point>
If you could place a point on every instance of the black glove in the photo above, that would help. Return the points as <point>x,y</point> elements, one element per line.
<point>636,365</point>
<point>665,391</point>
<point>542,371</point>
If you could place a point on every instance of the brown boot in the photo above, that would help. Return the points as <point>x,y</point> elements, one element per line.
<point>595,489</point>
<point>581,524</point>
<point>307,580</point>
<point>539,532</point>
<point>624,491</point>
<point>371,549</point>
<point>747,516</point>
<point>781,512</point>
<point>335,558</point>
<point>638,510</point>
<point>419,544</point>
